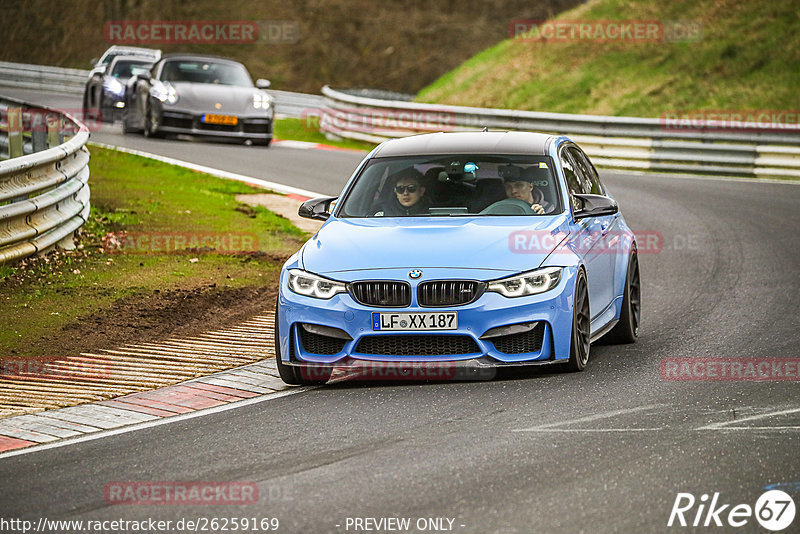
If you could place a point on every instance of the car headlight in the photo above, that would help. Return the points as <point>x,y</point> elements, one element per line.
<point>164,92</point>
<point>114,86</point>
<point>261,101</point>
<point>529,283</point>
<point>311,285</point>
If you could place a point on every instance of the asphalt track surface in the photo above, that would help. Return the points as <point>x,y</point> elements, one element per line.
<point>606,450</point>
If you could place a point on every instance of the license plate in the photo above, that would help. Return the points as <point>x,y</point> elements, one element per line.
<point>230,120</point>
<point>415,321</point>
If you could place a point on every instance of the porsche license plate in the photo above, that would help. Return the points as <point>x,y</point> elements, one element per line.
<point>415,321</point>
<point>230,120</point>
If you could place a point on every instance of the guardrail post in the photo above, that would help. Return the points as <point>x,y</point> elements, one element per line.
<point>62,127</point>
<point>39,139</point>
<point>67,243</point>
<point>15,147</point>
<point>52,133</point>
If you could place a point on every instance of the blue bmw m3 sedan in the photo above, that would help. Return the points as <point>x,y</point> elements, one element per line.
<point>469,250</point>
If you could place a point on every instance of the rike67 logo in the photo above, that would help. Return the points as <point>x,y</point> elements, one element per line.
<point>774,510</point>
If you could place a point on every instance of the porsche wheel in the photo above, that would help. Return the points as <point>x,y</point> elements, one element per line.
<point>152,124</point>
<point>126,125</point>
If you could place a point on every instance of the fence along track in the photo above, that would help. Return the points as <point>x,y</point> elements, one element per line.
<point>613,142</point>
<point>44,192</point>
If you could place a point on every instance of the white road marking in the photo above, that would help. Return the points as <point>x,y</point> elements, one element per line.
<point>725,425</point>
<point>590,430</point>
<point>587,419</point>
<point>781,428</point>
<point>302,145</point>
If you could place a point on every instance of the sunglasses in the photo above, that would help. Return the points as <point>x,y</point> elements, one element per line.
<point>401,189</point>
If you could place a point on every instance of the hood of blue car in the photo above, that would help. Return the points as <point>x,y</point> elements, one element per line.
<point>505,244</point>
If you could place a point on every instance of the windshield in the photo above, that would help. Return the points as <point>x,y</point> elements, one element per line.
<point>126,69</point>
<point>206,72</point>
<point>453,185</point>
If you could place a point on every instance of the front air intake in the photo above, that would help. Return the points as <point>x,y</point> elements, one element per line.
<point>417,345</point>
<point>382,293</point>
<point>443,293</point>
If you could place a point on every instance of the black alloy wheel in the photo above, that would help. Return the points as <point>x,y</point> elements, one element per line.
<point>627,329</point>
<point>581,330</point>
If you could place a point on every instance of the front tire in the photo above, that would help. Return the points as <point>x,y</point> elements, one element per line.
<point>288,373</point>
<point>106,112</point>
<point>91,114</point>
<point>581,328</point>
<point>126,127</point>
<point>151,124</point>
<point>627,329</point>
<point>294,375</point>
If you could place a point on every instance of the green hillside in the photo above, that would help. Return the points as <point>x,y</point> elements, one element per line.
<point>399,45</point>
<point>746,57</point>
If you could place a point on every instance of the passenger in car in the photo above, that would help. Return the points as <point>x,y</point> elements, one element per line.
<point>408,196</point>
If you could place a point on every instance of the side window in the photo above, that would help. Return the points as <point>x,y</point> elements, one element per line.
<point>590,179</point>
<point>573,180</point>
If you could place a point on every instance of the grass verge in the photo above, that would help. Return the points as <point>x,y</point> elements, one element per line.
<point>153,229</point>
<point>307,129</point>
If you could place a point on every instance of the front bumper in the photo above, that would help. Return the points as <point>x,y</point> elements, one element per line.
<point>547,318</point>
<point>257,127</point>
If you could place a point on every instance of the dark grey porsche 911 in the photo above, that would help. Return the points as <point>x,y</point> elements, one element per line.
<point>202,96</point>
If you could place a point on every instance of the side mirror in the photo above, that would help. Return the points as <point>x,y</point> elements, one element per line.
<point>595,206</point>
<point>143,76</point>
<point>261,83</point>
<point>94,61</point>
<point>316,208</point>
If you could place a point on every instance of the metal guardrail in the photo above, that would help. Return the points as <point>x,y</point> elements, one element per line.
<point>44,190</point>
<point>289,104</point>
<point>45,78</point>
<point>612,142</point>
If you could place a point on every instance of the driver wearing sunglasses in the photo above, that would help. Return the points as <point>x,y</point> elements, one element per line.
<point>409,196</point>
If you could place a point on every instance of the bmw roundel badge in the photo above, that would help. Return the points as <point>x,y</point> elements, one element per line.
<point>416,273</point>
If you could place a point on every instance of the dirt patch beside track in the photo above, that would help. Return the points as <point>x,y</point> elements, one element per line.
<point>175,313</point>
